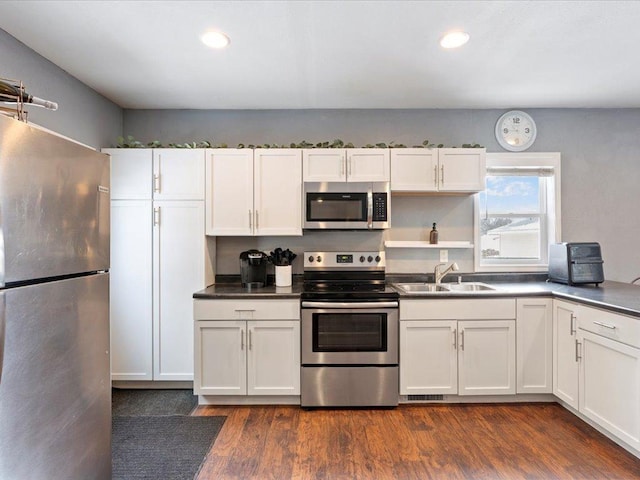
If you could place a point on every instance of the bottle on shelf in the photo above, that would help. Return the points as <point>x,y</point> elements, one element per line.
<point>433,235</point>
<point>10,93</point>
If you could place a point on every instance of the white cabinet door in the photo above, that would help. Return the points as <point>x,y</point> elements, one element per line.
<point>414,170</point>
<point>324,165</point>
<point>131,292</point>
<point>428,357</point>
<point>229,184</point>
<point>610,385</point>
<point>131,173</point>
<point>179,245</point>
<point>462,169</point>
<point>487,357</point>
<point>178,174</point>
<point>221,360</point>
<point>273,357</point>
<point>565,353</point>
<point>534,342</point>
<point>368,165</point>
<point>278,192</point>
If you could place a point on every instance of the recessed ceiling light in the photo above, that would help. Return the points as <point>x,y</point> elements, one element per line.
<point>454,39</point>
<point>215,39</point>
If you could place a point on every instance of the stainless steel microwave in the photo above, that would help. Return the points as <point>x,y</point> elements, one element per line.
<point>346,205</point>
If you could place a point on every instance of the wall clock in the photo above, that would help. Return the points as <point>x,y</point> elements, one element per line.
<point>516,131</point>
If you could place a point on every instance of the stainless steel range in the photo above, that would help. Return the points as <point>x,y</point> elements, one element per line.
<point>349,331</point>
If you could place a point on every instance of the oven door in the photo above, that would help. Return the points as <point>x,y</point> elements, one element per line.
<point>349,333</point>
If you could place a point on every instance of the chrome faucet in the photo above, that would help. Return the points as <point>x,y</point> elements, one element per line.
<point>439,274</point>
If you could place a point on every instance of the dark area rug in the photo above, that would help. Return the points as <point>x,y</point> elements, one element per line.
<point>154,438</point>
<point>134,402</point>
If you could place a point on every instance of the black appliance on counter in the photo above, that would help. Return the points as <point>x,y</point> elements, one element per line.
<point>253,268</point>
<point>576,263</point>
<point>349,331</point>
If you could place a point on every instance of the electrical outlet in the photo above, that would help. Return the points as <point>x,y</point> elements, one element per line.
<point>444,255</point>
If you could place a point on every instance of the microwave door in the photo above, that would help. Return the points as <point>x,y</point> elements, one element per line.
<point>337,209</point>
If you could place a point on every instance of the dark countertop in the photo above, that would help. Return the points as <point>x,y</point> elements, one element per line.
<point>236,290</point>
<point>615,296</point>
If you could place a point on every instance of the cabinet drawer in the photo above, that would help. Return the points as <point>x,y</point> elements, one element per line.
<point>481,309</point>
<point>285,309</point>
<point>611,325</point>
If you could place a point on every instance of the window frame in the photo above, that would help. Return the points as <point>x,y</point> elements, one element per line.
<point>543,160</point>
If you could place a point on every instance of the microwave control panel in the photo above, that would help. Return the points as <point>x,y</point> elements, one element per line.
<point>379,207</point>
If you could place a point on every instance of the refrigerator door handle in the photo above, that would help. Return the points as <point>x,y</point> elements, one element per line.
<point>2,328</point>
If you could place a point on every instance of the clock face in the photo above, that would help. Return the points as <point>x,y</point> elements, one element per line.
<point>515,131</point>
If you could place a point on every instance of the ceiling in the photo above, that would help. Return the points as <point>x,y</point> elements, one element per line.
<point>340,54</point>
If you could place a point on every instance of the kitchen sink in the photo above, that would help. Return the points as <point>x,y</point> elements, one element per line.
<point>421,287</point>
<point>469,287</point>
<point>462,287</point>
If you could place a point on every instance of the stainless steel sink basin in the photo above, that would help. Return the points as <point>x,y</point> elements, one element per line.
<point>469,287</point>
<point>421,287</point>
<point>463,287</point>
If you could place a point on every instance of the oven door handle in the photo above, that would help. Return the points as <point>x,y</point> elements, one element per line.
<point>349,304</point>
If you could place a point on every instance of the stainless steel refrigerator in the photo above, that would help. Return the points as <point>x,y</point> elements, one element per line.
<point>55,389</point>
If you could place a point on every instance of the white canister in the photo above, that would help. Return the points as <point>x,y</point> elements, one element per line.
<point>283,275</point>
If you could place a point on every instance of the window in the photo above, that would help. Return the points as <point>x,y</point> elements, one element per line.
<point>517,215</point>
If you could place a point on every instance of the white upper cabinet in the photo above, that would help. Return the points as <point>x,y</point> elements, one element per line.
<point>346,165</point>
<point>277,188</point>
<point>254,192</point>
<point>131,173</point>
<point>438,170</point>
<point>158,174</point>
<point>414,169</point>
<point>229,185</point>
<point>178,174</point>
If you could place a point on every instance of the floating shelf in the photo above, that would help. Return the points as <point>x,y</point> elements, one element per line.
<point>423,244</point>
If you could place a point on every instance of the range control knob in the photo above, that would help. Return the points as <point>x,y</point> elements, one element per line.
<point>370,259</point>
<point>318,259</point>
<point>378,258</point>
<point>362,259</point>
<point>310,258</point>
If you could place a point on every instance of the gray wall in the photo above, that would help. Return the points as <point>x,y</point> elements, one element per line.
<point>600,172</point>
<point>83,114</point>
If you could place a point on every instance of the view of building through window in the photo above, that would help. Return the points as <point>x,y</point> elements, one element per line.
<point>511,208</point>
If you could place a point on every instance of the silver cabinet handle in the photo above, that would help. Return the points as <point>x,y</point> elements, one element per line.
<point>250,220</point>
<point>156,216</point>
<point>572,328</point>
<point>245,310</point>
<point>250,342</point>
<point>241,339</point>
<point>350,160</point>
<point>435,175</point>
<point>455,338</point>
<point>257,222</point>
<point>461,339</point>
<point>156,183</point>
<point>578,357</point>
<point>605,325</point>
<point>442,174</point>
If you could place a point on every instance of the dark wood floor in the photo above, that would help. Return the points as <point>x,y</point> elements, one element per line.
<point>516,441</point>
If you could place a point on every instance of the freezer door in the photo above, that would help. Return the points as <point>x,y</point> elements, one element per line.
<point>55,391</point>
<point>54,205</point>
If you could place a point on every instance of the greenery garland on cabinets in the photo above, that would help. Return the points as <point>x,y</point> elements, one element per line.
<point>131,142</point>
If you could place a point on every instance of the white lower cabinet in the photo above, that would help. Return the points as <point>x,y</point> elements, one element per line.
<point>234,356</point>
<point>534,345</point>
<point>597,367</point>
<point>565,353</point>
<point>441,354</point>
<point>610,385</point>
